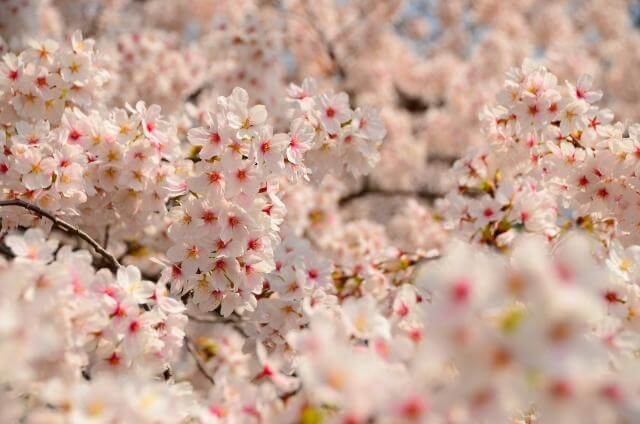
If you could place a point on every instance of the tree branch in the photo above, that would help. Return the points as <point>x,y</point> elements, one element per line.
<point>366,191</point>
<point>448,160</point>
<point>415,104</point>
<point>66,227</point>
<point>312,20</point>
<point>232,320</point>
<point>6,252</point>
<point>404,262</point>
<point>189,344</point>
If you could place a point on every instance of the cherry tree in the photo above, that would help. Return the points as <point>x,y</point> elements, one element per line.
<point>342,212</point>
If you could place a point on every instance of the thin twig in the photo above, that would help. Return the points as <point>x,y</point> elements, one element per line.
<point>362,18</point>
<point>285,396</point>
<point>387,266</point>
<point>328,44</point>
<point>66,227</point>
<point>201,368</point>
<point>219,319</point>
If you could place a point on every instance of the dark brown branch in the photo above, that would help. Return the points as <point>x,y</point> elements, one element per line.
<point>67,228</point>
<point>366,191</point>
<point>192,350</point>
<point>106,236</point>
<point>411,103</point>
<point>195,94</point>
<point>6,252</point>
<point>285,396</point>
<point>416,104</point>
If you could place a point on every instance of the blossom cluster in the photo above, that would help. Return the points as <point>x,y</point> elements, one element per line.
<point>342,140</point>
<point>65,321</point>
<point>226,229</point>
<point>63,151</point>
<point>553,156</point>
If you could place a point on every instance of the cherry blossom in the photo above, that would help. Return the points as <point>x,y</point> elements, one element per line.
<point>304,212</point>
